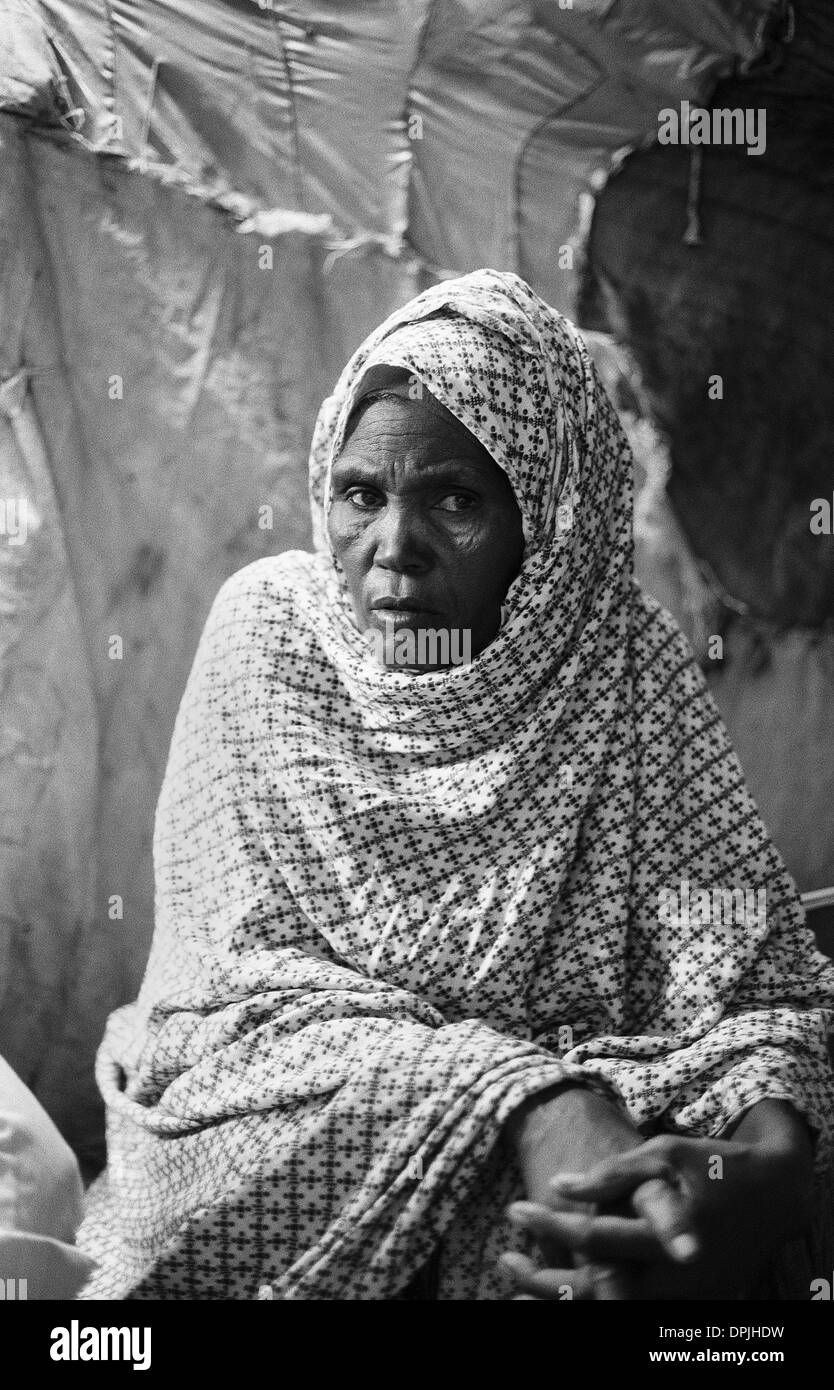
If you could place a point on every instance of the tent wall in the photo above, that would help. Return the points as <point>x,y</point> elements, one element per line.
<point>173,380</point>
<point>460,131</point>
<point>746,301</point>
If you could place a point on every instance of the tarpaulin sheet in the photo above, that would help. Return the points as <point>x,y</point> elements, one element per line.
<point>173,377</point>
<point>464,130</point>
<point>749,306</point>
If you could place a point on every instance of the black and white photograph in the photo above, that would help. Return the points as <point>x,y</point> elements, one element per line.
<point>417,670</point>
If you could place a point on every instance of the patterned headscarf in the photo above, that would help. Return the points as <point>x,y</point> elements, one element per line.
<point>519,377</point>
<point>390,907</point>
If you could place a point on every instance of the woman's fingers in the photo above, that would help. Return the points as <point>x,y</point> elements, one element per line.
<point>600,1282</point>
<point>667,1213</point>
<point>583,1233</point>
<point>648,1178</point>
<point>610,1285</point>
<point>615,1177</point>
<point>553,1284</point>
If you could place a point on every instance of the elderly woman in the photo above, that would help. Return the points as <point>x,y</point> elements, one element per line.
<point>460,891</point>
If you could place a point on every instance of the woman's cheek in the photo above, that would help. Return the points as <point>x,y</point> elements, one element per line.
<point>475,540</point>
<point>345,528</point>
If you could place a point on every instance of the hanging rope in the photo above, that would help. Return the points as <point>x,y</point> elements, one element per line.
<point>692,235</point>
<point>146,119</point>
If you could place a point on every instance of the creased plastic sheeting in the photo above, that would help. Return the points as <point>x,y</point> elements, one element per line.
<point>48,756</point>
<point>521,104</point>
<point>48,718</point>
<point>27,72</point>
<point>466,129</point>
<point>174,378</point>
<point>664,43</point>
<point>299,107</point>
<point>464,202</point>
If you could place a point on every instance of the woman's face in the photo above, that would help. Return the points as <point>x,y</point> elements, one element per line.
<point>425,526</point>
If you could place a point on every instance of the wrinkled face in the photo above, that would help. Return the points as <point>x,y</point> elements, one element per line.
<point>427,531</point>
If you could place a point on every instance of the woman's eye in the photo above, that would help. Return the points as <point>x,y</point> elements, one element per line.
<point>363,497</point>
<point>456,502</point>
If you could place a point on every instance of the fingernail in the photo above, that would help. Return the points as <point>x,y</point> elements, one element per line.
<point>684,1247</point>
<point>567,1180</point>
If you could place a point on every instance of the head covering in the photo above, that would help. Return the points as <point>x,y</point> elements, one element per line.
<point>519,377</point>
<point>516,374</point>
<point>391,907</point>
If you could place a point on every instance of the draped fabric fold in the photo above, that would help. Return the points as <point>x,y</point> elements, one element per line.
<point>390,907</point>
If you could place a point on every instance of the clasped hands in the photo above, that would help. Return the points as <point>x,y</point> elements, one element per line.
<point>670,1217</point>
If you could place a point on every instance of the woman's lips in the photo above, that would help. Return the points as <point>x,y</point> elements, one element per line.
<point>402,607</point>
<point>404,617</point>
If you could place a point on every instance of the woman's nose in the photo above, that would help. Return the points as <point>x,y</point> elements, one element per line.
<point>399,544</point>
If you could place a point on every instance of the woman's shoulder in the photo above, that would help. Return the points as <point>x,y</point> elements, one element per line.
<point>283,584</point>
<point>269,606</point>
<point>656,632</point>
<point>662,660</point>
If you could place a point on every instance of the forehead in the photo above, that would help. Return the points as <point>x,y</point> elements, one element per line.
<point>423,422</point>
<point>394,434</point>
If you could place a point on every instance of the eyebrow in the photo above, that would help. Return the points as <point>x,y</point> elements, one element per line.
<point>452,473</point>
